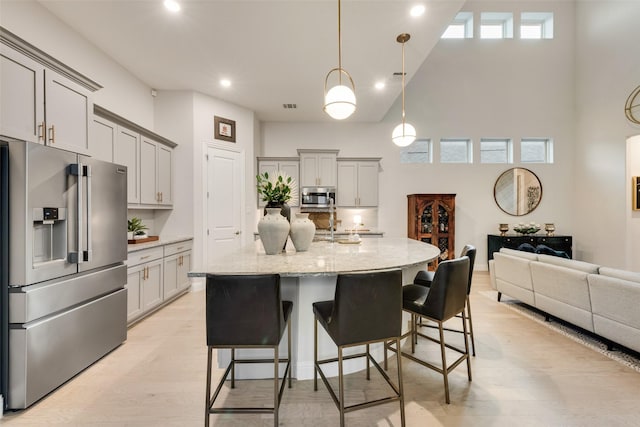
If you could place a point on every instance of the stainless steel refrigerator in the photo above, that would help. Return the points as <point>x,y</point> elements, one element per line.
<point>63,272</point>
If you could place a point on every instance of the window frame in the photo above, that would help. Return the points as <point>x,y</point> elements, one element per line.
<point>469,150</point>
<point>508,150</point>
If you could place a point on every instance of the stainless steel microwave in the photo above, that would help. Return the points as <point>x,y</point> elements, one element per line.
<point>317,197</point>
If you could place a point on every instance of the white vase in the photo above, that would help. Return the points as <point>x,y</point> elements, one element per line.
<point>274,230</point>
<point>302,232</point>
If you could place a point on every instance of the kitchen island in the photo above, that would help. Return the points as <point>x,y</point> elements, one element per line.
<point>310,276</point>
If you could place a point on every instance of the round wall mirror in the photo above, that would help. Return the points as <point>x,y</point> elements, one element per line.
<point>517,191</point>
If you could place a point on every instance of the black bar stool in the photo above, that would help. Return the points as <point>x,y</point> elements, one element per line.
<point>444,299</point>
<point>246,312</point>
<point>367,309</point>
<point>425,278</point>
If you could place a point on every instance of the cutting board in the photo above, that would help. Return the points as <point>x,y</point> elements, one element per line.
<point>145,240</point>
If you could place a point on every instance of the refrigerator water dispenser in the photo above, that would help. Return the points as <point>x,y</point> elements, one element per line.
<point>49,235</point>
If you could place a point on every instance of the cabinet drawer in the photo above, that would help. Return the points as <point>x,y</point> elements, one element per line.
<point>145,255</point>
<point>175,248</point>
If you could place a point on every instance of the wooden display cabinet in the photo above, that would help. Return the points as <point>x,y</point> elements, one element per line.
<point>431,219</point>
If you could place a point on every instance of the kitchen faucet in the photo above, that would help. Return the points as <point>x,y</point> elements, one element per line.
<point>331,218</point>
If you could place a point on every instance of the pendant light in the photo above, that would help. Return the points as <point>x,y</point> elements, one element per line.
<point>340,100</point>
<point>404,134</point>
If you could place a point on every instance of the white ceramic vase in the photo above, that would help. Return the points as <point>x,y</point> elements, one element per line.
<point>274,230</point>
<point>302,232</point>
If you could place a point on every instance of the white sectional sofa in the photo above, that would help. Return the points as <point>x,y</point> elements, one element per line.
<point>601,300</point>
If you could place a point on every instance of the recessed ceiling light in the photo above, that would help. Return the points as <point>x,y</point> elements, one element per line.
<point>379,85</point>
<point>172,6</point>
<point>225,82</point>
<point>417,10</point>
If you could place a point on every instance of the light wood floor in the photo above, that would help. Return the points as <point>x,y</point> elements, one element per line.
<point>524,374</point>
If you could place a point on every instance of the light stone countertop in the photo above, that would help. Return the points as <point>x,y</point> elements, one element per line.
<point>324,258</point>
<point>160,242</point>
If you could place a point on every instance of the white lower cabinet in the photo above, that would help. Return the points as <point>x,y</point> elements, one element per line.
<point>155,276</point>
<point>177,263</point>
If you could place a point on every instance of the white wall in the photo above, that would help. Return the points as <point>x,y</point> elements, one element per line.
<point>633,217</point>
<point>188,119</point>
<point>468,88</point>
<point>607,70</point>
<point>174,116</point>
<point>122,93</point>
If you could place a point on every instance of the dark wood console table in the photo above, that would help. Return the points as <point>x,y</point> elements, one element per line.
<point>512,241</point>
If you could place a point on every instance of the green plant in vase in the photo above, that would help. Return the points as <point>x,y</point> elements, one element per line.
<point>135,227</point>
<point>277,189</point>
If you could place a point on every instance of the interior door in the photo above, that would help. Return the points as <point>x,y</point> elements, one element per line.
<point>224,200</point>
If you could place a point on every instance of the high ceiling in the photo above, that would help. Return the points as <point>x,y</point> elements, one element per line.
<point>274,52</point>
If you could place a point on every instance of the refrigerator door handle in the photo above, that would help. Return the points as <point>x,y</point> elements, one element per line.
<point>88,251</point>
<point>76,169</point>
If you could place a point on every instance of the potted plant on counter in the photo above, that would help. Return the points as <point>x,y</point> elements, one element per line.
<point>276,189</point>
<point>135,228</point>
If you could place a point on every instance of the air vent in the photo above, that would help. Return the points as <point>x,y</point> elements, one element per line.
<point>289,106</point>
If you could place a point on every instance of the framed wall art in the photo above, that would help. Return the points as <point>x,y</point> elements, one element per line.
<point>224,129</point>
<point>635,188</point>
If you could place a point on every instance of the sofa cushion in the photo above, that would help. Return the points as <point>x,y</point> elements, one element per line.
<point>620,274</point>
<point>615,299</point>
<point>570,263</point>
<point>564,284</point>
<point>520,254</point>
<point>513,277</point>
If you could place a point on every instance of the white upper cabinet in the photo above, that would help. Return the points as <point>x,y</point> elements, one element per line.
<point>318,168</point>
<point>156,170</point>
<point>68,108</point>
<point>127,152</point>
<point>21,96</point>
<point>288,165</point>
<point>41,99</point>
<point>147,156</point>
<point>103,139</point>
<point>358,182</point>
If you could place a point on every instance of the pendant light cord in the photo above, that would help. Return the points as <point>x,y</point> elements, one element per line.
<point>339,45</point>
<point>403,87</point>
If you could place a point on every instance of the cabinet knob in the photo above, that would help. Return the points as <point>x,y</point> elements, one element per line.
<point>41,130</point>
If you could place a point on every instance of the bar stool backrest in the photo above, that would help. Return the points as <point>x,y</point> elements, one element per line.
<point>469,251</point>
<point>448,292</point>
<point>244,310</point>
<point>368,307</point>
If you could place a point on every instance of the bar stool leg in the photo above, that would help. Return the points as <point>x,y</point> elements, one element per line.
<point>341,386</point>
<point>276,394</point>
<point>289,349</point>
<point>413,334</point>
<point>233,368</point>
<point>445,371</point>
<point>466,345</point>
<point>367,357</point>
<point>400,387</point>
<point>473,341</point>
<point>315,355</point>
<point>206,406</point>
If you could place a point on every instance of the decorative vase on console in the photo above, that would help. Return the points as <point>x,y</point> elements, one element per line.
<point>302,232</point>
<point>274,230</point>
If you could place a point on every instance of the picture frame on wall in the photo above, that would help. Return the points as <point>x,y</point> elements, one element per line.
<point>224,129</point>
<point>635,188</point>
